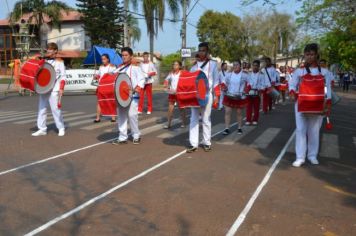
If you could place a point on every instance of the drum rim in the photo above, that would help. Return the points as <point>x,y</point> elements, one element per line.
<point>52,82</point>
<point>126,104</point>
<point>202,102</point>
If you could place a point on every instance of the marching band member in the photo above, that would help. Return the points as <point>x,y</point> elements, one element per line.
<point>210,68</point>
<point>53,97</point>
<point>171,83</point>
<point>235,86</point>
<point>149,70</point>
<point>130,114</point>
<point>284,78</point>
<point>222,77</point>
<point>308,125</point>
<point>272,76</point>
<point>105,68</point>
<point>256,84</point>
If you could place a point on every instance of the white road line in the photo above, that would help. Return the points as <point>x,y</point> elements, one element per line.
<point>264,140</point>
<point>232,138</point>
<point>9,113</point>
<point>22,117</point>
<point>103,195</point>
<point>329,146</point>
<point>173,133</point>
<point>17,114</point>
<point>49,117</point>
<point>69,152</point>
<point>240,219</point>
<point>78,117</point>
<point>53,157</point>
<point>140,123</point>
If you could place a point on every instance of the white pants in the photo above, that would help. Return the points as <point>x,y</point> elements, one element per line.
<point>52,100</point>
<point>194,124</point>
<point>129,113</point>
<point>307,134</point>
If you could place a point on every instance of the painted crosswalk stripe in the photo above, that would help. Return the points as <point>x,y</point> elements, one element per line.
<point>140,123</point>
<point>49,117</point>
<point>23,117</point>
<point>173,133</point>
<point>264,140</point>
<point>7,113</point>
<point>330,146</point>
<point>234,137</point>
<point>157,127</point>
<point>17,114</point>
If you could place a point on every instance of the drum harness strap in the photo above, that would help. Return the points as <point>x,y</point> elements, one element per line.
<point>319,69</point>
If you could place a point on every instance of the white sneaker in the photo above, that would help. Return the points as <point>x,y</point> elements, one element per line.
<point>298,163</point>
<point>148,113</point>
<point>255,123</point>
<point>39,133</point>
<point>61,132</point>
<point>314,161</point>
<point>247,123</point>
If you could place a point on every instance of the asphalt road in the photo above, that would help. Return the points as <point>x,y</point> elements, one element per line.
<point>80,184</point>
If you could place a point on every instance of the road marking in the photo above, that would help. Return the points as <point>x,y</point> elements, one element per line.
<point>54,157</point>
<point>140,123</point>
<point>98,126</point>
<point>234,137</point>
<point>157,127</point>
<point>265,139</point>
<point>337,190</point>
<point>18,114</point>
<point>173,133</point>
<point>49,117</point>
<point>104,194</point>
<point>66,153</point>
<point>9,113</point>
<point>18,118</point>
<point>240,219</point>
<point>78,117</point>
<point>330,146</point>
<point>354,139</point>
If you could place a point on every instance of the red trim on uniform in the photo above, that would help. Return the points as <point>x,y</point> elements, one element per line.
<point>152,73</point>
<point>62,84</point>
<point>217,92</point>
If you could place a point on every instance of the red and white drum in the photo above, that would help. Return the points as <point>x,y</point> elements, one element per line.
<point>283,87</point>
<point>114,90</point>
<point>311,97</point>
<point>192,89</point>
<point>106,95</point>
<point>38,75</point>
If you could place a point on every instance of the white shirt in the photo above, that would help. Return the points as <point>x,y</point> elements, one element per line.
<point>105,70</point>
<point>135,73</point>
<point>222,76</point>
<point>173,79</point>
<point>236,82</point>
<point>273,78</point>
<point>60,70</point>
<point>210,70</point>
<point>257,81</point>
<point>148,68</point>
<point>298,73</point>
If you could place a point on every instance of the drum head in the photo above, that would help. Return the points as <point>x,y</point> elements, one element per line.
<point>123,90</point>
<point>202,85</point>
<point>45,79</point>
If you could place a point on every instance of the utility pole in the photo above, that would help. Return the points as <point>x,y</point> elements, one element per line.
<point>126,29</point>
<point>184,28</point>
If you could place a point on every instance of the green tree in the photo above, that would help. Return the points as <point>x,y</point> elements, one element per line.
<point>102,21</point>
<point>39,9</point>
<point>225,33</point>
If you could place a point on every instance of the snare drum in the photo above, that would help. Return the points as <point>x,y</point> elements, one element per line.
<point>235,100</point>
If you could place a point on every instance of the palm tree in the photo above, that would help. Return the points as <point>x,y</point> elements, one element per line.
<point>134,31</point>
<point>39,9</point>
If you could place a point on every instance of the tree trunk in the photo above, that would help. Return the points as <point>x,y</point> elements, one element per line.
<point>151,45</point>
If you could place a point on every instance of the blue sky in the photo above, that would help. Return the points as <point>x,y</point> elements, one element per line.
<point>169,39</point>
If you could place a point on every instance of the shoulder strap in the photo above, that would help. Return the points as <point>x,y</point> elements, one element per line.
<point>268,75</point>
<point>123,68</point>
<point>204,64</point>
<point>223,73</point>
<point>307,69</point>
